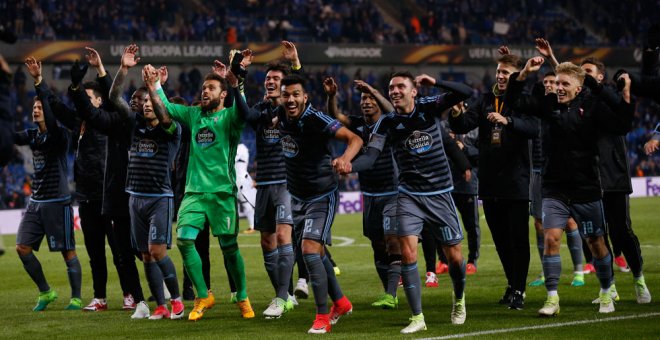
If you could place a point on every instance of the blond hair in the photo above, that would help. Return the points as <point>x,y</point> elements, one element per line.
<point>572,70</point>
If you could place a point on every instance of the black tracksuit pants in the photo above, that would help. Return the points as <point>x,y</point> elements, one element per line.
<point>617,216</point>
<point>508,221</point>
<point>128,273</point>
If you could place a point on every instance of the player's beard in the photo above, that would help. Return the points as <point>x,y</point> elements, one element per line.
<point>213,103</point>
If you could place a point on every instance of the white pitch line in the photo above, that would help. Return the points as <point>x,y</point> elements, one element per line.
<point>555,325</point>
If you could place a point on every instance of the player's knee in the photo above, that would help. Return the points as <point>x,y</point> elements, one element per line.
<point>68,254</point>
<point>453,254</point>
<point>268,241</point>
<point>23,250</point>
<point>311,247</point>
<point>228,244</point>
<point>283,235</point>
<point>155,253</point>
<point>408,256</point>
<point>184,244</point>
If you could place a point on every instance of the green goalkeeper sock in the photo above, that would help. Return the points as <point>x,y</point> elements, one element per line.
<point>193,266</point>
<point>235,264</point>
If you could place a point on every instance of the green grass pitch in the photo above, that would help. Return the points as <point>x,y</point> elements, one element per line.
<point>359,282</point>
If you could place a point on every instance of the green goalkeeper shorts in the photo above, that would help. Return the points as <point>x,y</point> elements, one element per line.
<point>219,208</point>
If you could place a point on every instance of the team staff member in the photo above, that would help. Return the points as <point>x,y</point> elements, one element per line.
<point>503,175</point>
<point>617,187</point>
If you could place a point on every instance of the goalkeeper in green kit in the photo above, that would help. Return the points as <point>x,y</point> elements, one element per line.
<point>211,180</point>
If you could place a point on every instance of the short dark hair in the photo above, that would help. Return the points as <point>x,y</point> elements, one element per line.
<point>404,74</point>
<point>223,82</point>
<point>510,59</point>
<point>550,74</point>
<point>36,99</point>
<point>178,100</point>
<point>142,89</point>
<point>94,86</point>
<point>278,67</point>
<point>593,61</point>
<point>293,79</point>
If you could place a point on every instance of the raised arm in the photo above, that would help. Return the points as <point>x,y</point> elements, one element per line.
<point>106,122</point>
<point>128,60</point>
<point>151,76</point>
<point>383,103</point>
<point>242,108</point>
<point>456,93</point>
<point>330,88</point>
<point>94,60</point>
<point>290,53</point>
<point>616,118</point>
<point>514,97</point>
<point>543,46</point>
<point>63,113</point>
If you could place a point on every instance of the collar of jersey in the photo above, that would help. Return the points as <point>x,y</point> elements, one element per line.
<point>407,115</point>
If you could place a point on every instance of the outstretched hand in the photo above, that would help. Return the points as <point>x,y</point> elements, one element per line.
<point>129,58</point>
<point>543,46</point>
<point>34,68</point>
<point>248,55</point>
<point>503,50</point>
<point>219,69</point>
<point>289,51</point>
<point>330,86</point>
<point>150,75</point>
<point>93,57</point>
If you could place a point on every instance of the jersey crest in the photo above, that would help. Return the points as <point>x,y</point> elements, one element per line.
<point>289,147</point>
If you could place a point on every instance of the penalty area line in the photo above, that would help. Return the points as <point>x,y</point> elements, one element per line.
<point>554,325</point>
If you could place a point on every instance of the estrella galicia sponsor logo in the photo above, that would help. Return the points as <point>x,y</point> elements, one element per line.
<point>205,137</point>
<point>289,146</point>
<point>39,160</point>
<point>271,136</point>
<point>419,142</point>
<point>145,148</point>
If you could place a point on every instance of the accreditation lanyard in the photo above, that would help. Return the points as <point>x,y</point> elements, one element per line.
<point>496,133</point>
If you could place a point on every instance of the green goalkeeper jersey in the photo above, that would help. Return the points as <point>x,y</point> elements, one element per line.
<point>214,139</point>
